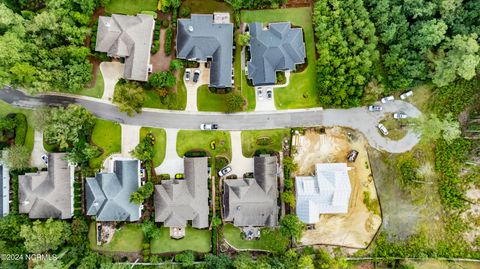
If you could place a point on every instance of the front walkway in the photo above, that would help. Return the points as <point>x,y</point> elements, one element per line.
<point>240,164</point>
<point>172,164</point>
<point>38,151</point>
<point>111,72</point>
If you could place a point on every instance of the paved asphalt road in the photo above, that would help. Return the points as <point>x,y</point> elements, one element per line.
<point>356,118</point>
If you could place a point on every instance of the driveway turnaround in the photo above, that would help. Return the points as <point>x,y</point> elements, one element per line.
<point>357,118</point>
<point>111,72</point>
<point>172,164</point>
<point>240,165</point>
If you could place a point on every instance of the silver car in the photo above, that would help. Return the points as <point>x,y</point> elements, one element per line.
<point>405,95</point>
<point>224,171</point>
<point>382,129</point>
<point>399,115</point>
<point>387,99</point>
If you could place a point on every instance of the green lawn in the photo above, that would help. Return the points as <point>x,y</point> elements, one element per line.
<point>241,83</point>
<point>234,237</point>
<point>107,135</point>
<point>189,140</point>
<point>249,140</point>
<point>160,143</point>
<point>153,99</point>
<point>208,7</point>
<point>208,101</point>
<point>97,90</point>
<point>195,240</point>
<point>300,92</point>
<point>131,7</point>
<point>128,238</point>
<point>6,109</point>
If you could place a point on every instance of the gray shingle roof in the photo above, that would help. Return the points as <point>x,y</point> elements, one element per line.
<point>47,194</point>
<point>199,38</point>
<point>129,37</point>
<point>278,48</point>
<point>108,194</point>
<point>253,202</point>
<point>4,191</point>
<point>178,201</point>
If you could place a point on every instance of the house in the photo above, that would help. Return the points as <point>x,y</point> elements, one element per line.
<point>108,194</point>
<point>208,38</point>
<point>5,191</point>
<point>328,192</point>
<point>276,48</point>
<point>253,201</point>
<point>48,194</point>
<point>183,200</point>
<point>129,37</point>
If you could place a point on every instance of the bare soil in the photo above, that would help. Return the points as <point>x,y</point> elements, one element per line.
<point>357,228</point>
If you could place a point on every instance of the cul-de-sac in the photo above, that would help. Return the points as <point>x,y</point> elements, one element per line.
<point>238,134</point>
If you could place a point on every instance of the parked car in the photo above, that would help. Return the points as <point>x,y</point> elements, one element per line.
<point>387,99</point>
<point>260,94</point>
<point>196,76</point>
<point>45,158</point>
<point>399,115</point>
<point>352,156</point>
<point>188,72</point>
<point>382,129</point>
<point>404,96</point>
<point>224,171</point>
<point>374,108</point>
<point>209,126</point>
<point>269,94</point>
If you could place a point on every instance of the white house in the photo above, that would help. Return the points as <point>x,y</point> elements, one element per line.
<point>328,192</point>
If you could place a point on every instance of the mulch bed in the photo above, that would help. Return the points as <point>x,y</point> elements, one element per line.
<point>299,3</point>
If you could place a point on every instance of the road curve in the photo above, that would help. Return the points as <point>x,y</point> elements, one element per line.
<point>355,118</point>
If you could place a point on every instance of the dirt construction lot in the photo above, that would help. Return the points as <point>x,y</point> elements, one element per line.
<point>357,228</point>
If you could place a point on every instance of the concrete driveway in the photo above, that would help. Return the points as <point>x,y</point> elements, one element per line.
<point>38,151</point>
<point>172,164</point>
<point>111,72</point>
<point>240,165</point>
<point>192,87</point>
<point>263,103</point>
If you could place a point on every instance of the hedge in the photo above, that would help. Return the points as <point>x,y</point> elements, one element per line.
<point>168,41</point>
<point>20,129</point>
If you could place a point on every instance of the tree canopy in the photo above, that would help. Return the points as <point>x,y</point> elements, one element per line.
<point>43,236</point>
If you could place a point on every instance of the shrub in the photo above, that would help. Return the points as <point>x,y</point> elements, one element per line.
<point>408,171</point>
<point>168,41</point>
<point>264,141</point>
<point>288,184</point>
<point>165,23</point>
<point>155,47</point>
<point>20,129</point>
<point>185,11</point>
<point>195,153</point>
<point>289,198</point>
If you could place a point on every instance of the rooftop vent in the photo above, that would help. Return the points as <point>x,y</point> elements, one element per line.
<point>190,28</point>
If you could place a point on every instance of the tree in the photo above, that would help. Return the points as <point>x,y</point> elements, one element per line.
<point>48,264</point>
<point>292,227</point>
<point>243,39</point>
<point>162,80</point>
<point>217,261</point>
<point>347,48</point>
<point>186,258</point>
<point>289,198</point>
<point>290,164</point>
<point>306,262</point>
<point>67,126</point>
<point>459,58</point>
<point>235,102</point>
<point>432,128</point>
<point>129,97</point>
<point>44,236</point>
<point>17,157</point>
<point>144,150</point>
<point>144,192</point>
<point>243,261</point>
<point>150,231</point>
